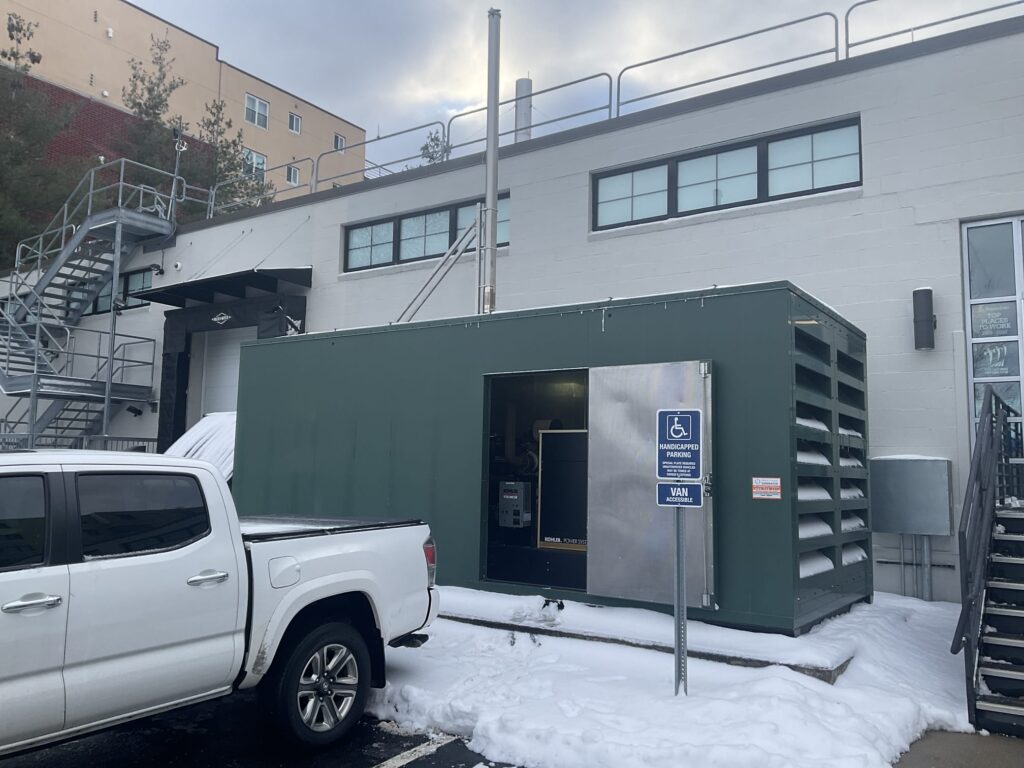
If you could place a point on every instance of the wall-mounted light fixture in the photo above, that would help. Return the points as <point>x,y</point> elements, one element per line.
<point>924,319</point>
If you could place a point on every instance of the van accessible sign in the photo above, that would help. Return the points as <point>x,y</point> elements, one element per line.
<point>679,447</point>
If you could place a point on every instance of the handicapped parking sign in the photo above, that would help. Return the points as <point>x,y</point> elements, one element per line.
<point>679,445</point>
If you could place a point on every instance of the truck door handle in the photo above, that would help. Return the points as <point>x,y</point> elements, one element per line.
<point>207,577</point>
<point>28,603</point>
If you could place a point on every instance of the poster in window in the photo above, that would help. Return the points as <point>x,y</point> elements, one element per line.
<point>996,358</point>
<point>1007,391</point>
<point>996,319</point>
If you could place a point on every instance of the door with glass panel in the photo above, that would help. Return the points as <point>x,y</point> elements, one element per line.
<point>994,290</point>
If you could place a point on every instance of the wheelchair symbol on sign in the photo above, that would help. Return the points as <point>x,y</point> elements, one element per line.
<point>678,427</point>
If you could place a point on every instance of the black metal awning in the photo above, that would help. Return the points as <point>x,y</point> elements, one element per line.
<point>232,285</point>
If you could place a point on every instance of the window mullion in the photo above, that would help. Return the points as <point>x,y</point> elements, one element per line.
<point>762,171</point>
<point>672,203</point>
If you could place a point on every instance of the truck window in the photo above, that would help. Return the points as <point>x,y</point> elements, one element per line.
<point>22,521</point>
<point>132,513</point>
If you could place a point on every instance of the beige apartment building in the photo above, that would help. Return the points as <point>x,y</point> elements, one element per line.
<point>86,48</point>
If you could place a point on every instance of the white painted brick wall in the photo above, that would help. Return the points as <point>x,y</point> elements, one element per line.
<point>941,143</point>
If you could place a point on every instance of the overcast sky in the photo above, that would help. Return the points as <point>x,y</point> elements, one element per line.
<point>392,64</point>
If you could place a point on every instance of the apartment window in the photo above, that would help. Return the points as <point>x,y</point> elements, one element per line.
<point>339,142</point>
<point>466,214</point>
<point>717,180</point>
<point>634,196</point>
<point>814,161</point>
<point>294,123</point>
<point>128,283</point>
<point>255,163</point>
<point>423,235</point>
<point>783,165</point>
<point>257,111</point>
<point>292,174</point>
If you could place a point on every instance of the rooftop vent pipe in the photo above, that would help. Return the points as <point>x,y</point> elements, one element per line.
<point>491,201</point>
<point>524,108</point>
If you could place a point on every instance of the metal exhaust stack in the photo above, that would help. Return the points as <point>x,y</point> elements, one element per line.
<point>524,108</point>
<point>490,243</point>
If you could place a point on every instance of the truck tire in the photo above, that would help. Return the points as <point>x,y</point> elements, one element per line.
<point>316,708</point>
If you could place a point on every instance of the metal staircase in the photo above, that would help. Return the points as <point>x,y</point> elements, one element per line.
<point>64,378</point>
<point>991,627</point>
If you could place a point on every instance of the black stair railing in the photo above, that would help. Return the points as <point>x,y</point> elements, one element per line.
<point>994,477</point>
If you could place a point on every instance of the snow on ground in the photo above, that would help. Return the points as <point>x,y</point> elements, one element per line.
<point>543,701</point>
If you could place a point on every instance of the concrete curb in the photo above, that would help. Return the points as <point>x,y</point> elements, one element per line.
<point>825,674</point>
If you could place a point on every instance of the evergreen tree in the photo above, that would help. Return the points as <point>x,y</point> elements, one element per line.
<point>32,188</point>
<point>214,155</point>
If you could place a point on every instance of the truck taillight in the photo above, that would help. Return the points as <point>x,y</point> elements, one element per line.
<point>430,555</point>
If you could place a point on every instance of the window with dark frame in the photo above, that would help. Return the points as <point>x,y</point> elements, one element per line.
<point>128,283</point>
<point>787,164</point>
<point>414,236</point>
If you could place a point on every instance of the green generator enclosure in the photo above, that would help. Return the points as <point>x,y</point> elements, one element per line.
<point>529,440</point>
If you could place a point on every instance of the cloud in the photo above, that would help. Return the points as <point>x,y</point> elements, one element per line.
<point>393,64</point>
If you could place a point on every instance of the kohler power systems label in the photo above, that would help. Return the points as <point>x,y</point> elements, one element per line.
<point>766,487</point>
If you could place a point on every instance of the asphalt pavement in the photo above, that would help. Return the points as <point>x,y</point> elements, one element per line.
<point>233,733</point>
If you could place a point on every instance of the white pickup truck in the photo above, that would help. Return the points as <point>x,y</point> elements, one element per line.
<point>129,586</point>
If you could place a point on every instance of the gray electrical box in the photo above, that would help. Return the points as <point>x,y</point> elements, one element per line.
<point>912,495</point>
<point>514,505</point>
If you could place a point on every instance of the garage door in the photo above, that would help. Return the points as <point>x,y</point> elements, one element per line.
<point>222,353</point>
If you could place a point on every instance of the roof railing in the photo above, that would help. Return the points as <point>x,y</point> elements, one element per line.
<point>834,50</point>
<point>917,27</point>
<point>382,165</point>
<point>605,107</point>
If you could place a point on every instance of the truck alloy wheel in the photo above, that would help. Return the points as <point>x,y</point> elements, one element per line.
<point>327,687</point>
<point>320,691</point>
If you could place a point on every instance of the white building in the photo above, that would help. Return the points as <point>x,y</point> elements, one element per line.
<point>859,181</point>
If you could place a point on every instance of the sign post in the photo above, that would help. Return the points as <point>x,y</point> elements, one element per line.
<point>679,461</point>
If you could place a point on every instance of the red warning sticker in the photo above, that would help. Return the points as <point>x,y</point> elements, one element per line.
<point>767,487</point>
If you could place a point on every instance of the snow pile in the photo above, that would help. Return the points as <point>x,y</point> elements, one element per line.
<point>812,526</point>
<point>212,439</point>
<point>850,491</point>
<point>561,703</point>
<point>850,432</point>
<point>852,522</point>
<point>811,423</point>
<point>812,457</point>
<point>853,553</point>
<point>850,461</point>
<point>813,563</point>
<point>812,492</point>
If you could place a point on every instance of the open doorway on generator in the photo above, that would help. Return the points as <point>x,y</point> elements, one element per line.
<point>536,478</point>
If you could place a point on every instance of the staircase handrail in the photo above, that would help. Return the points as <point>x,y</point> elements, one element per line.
<point>90,191</point>
<point>986,485</point>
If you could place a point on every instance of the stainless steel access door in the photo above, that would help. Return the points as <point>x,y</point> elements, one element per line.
<point>631,542</point>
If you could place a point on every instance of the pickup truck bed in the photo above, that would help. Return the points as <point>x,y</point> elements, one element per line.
<point>272,528</point>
